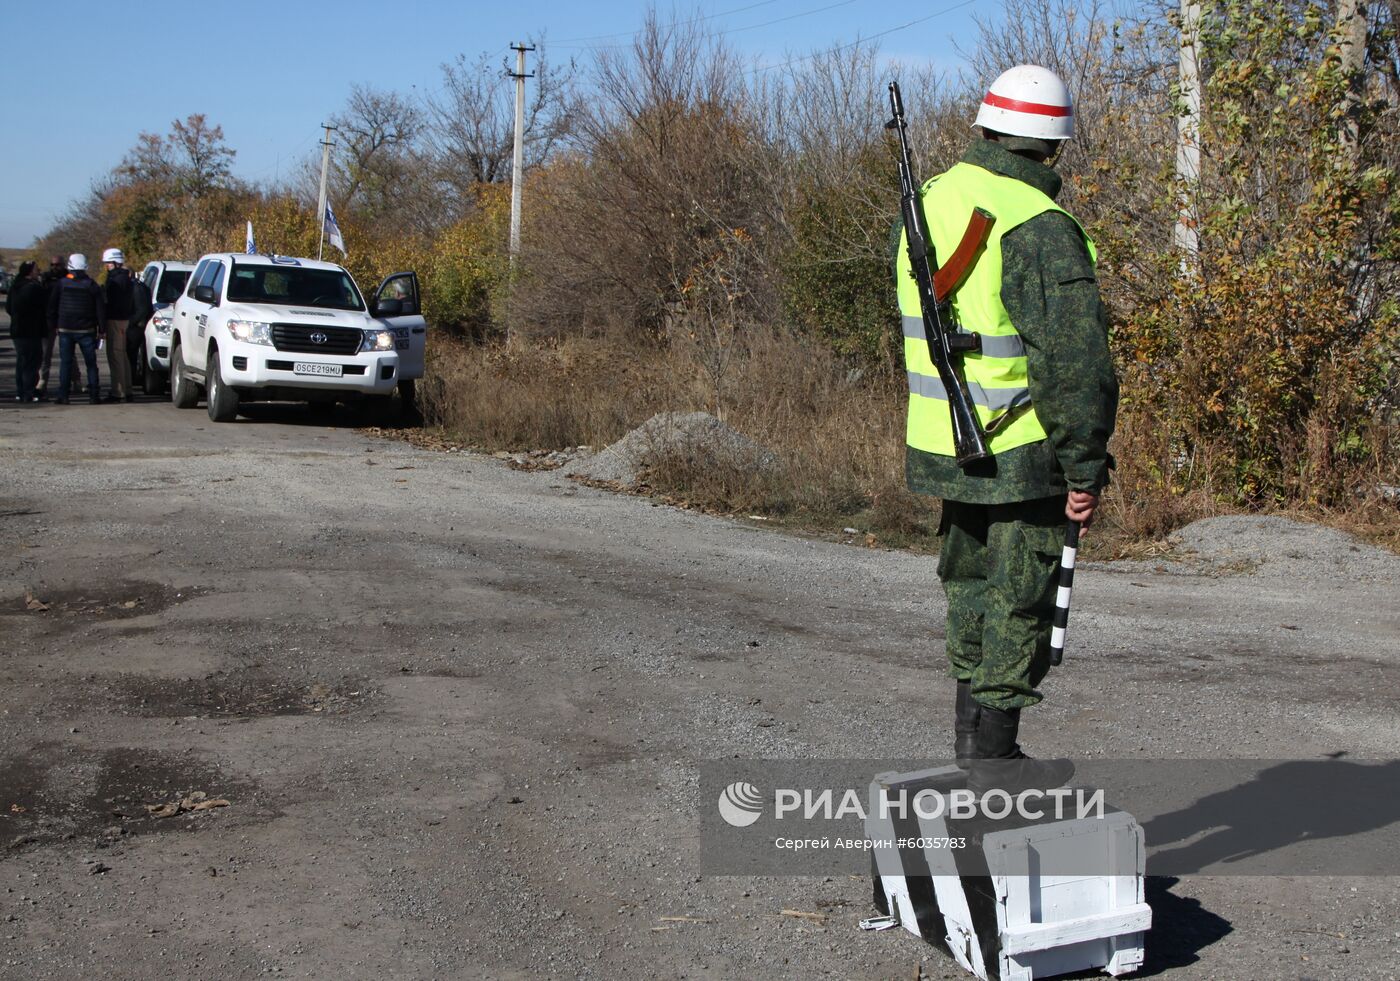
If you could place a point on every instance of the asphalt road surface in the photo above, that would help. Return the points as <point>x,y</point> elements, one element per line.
<point>456,712</point>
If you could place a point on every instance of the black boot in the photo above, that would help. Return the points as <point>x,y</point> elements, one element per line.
<point>1001,765</point>
<point>965,715</point>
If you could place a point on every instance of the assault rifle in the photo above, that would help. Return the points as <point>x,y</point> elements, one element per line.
<point>945,346</point>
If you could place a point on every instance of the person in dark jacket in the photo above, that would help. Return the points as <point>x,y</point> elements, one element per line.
<point>78,312</point>
<point>28,327</point>
<point>142,308</point>
<point>117,292</point>
<point>58,268</point>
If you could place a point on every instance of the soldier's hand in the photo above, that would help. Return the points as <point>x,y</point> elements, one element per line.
<point>1080,507</point>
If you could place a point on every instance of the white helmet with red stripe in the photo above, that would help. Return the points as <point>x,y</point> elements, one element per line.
<point>1028,101</point>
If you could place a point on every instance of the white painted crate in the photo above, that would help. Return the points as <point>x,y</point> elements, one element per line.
<point>1000,916</point>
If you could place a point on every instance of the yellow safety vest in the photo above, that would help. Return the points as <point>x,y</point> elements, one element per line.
<point>996,377</point>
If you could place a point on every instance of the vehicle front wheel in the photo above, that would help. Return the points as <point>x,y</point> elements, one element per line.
<point>153,381</point>
<point>184,392</point>
<point>222,400</point>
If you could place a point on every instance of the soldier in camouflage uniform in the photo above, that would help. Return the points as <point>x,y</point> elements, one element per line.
<point>1046,392</point>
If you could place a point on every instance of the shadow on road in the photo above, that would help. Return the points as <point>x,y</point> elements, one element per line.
<point>1270,811</point>
<point>1181,928</point>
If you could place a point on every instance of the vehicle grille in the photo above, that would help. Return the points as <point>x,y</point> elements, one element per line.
<point>297,339</point>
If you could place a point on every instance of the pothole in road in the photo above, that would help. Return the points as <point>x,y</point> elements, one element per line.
<point>109,600</point>
<point>50,794</point>
<point>241,694</point>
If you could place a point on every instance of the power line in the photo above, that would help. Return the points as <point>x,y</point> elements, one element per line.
<point>746,27</point>
<point>779,20</point>
<point>866,39</point>
<point>679,23</point>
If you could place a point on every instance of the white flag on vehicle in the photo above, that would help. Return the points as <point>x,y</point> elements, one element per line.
<point>333,230</point>
<point>249,245</point>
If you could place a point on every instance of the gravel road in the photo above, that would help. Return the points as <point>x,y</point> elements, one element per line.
<point>456,712</point>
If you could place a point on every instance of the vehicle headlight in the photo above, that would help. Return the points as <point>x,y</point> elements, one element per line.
<point>162,322</point>
<point>378,340</point>
<point>251,331</point>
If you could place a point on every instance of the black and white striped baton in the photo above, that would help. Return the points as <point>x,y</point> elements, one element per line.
<point>1057,632</point>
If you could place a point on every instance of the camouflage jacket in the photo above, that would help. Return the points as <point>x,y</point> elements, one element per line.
<point>1049,290</point>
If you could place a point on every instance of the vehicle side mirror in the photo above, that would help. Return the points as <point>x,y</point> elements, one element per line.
<point>204,294</point>
<point>388,307</point>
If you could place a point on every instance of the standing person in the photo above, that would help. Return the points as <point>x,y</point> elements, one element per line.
<point>141,310</point>
<point>1045,392</point>
<point>58,268</point>
<point>78,313</point>
<point>118,294</point>
<point>27,307</point>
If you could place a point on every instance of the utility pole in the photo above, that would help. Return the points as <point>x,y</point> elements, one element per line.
<point>517,180</point>
<point>326,145</point>
<point>1188,135</point>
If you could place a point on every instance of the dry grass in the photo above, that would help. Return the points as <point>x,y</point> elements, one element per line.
<point>576,392</point>
<point>838,437</point>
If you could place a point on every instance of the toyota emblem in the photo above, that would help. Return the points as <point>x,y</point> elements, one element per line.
<point>318,337</point>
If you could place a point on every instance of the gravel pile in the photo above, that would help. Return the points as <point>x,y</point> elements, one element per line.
<point>698,436</point>
<point>1280,546</point>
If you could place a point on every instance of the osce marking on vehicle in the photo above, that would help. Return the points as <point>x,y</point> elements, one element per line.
<point>203,321</point>
<point>402,340</point>
<point>283,260</point>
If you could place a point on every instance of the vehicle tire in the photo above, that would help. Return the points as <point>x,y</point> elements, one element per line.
<point>140,367</point>
<point>153,380</point>
<point>222,401</point>
<point>377,410</point>
<point>409,413</point>
<point>184,393</point>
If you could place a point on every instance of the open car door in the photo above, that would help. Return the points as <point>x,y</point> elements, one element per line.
<point>398,305</point>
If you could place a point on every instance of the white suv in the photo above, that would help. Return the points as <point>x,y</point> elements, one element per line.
<point>166,280</point>
<point>273,328</point>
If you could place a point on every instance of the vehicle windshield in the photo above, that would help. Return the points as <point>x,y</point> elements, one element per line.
<point>294,286</point>
<point>172,284</point>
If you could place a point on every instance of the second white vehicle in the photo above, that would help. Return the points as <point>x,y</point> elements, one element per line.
<point>274,328</point>
<point>166,280</point>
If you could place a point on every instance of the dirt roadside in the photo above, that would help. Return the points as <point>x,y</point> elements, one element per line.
<point>456,712</point>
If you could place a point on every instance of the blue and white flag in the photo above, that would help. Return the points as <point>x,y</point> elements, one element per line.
<point>333,230</point>
<point>249,245</point>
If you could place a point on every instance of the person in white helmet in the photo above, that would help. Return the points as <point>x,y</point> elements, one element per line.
<point>78,315</point>
<point>1045,390</point>
<point>118,293</point>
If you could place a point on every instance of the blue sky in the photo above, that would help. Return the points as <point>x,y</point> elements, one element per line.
<point>81,81</point>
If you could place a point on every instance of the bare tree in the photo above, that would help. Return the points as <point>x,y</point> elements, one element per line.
<point>1351,50</point>
<point>377,135</point>
<point>472,119</point>
<point>665,171</point>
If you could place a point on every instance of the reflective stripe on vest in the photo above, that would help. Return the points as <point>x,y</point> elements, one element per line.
<point>996,377</point>
<point>992,347</point>
<point>998,400</point>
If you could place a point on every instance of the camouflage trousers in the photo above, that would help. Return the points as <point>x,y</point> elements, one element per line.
<point>998,565</point>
